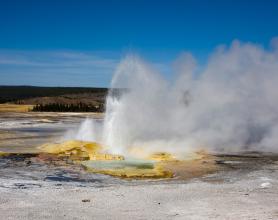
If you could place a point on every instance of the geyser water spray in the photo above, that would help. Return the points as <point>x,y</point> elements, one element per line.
<point>229,104</point>
<point>87,131</point>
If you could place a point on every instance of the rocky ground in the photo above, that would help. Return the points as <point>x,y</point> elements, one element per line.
<point>41,187</point>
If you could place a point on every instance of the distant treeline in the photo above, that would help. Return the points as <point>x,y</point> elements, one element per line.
<point>57,107</point>
<point>14,93</point>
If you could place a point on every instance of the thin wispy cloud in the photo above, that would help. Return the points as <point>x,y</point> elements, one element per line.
<point>61,68</point>
<point>66,67</point>
<point>54,58</point>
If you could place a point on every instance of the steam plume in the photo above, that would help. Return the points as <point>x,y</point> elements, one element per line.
<point>230,104</point>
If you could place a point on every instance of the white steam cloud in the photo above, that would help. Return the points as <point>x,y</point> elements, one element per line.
<point>231,104</point>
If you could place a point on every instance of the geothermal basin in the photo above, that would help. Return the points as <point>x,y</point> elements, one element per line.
<point>63,140</point>
<point>174,187</point>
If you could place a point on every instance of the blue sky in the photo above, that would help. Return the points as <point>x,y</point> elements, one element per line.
<point>79,42</point>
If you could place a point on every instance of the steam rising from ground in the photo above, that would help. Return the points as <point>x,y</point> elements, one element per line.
<point>231,104</point>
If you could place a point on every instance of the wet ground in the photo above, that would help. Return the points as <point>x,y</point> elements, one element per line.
<point>49,168</point>
<point>23,132</point>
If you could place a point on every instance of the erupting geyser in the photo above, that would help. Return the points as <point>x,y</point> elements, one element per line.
<point>229,104</point>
